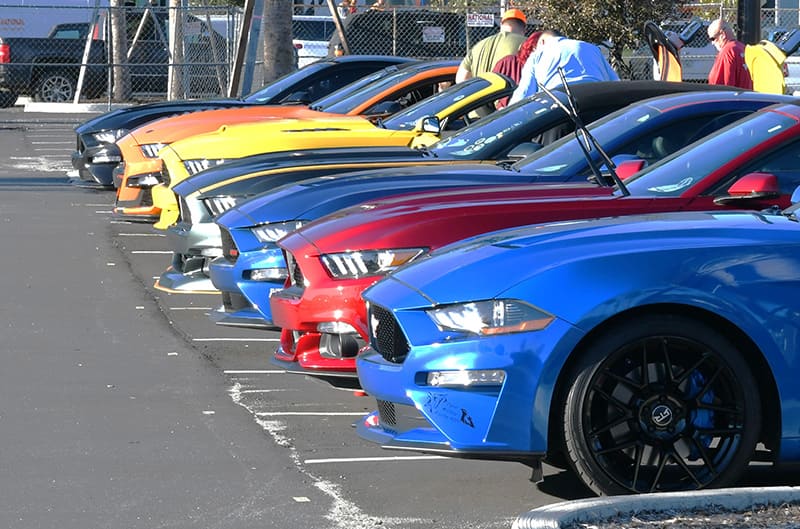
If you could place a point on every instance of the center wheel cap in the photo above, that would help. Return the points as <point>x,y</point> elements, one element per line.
<point>662,416</point>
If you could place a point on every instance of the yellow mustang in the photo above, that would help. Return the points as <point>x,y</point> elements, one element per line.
<point>454,107</point>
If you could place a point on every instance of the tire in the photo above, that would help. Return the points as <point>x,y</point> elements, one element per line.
<point>688,422</point>
<point>7,98</point>
<point>55,86</point>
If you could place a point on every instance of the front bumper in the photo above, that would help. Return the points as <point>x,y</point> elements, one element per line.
<point>95,165</point>
<point>135,202</point>
<point>321,356</point>
<point>194,246</point>
<point>234,277</point>
<point>507,420</point>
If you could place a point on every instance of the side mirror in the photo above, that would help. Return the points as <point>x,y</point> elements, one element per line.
<point>752,186</point>
<point>523,149</point>
<point>429,124</point>
<point>629,168</point>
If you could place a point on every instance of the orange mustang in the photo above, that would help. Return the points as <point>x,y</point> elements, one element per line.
<point>374,96</point>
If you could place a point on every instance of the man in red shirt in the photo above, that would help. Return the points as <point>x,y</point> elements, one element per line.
<point>729,67</point>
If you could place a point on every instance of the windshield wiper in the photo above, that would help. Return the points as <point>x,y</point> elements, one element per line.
<point>585,138</point>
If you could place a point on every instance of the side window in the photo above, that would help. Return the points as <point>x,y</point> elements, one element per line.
<point>660,143</point>
<point>328,84</point>
<point>783,162</point>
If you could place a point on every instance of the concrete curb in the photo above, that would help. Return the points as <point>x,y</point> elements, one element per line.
<point>561,514</point>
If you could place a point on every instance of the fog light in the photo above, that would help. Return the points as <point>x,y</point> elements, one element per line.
<point>336,327</point>
<point>145,180</point>
<point>482,377</point>
<point>268,274</point>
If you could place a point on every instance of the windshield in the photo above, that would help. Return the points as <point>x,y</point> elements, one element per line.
<point>673,175</point>
<point>345,99</point>
<point>511,125</point>
<point>407,119</point>
<point>284,83</point>
<point>565,156</point>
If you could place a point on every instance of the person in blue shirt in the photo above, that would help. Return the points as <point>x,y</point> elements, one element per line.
<point>581,61</point>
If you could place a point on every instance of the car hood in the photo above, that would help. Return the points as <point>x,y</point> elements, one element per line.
<point>710,238</point>
<point>173,128</point>
<point>251,166</point>
<point>132,117</point>
<point>244,139</point>
<point>432,219</point>
<point>313,198</point>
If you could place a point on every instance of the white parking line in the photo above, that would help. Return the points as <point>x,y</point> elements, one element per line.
<point>310,413</point>
<point>368,459</point>
<point>190,308</point>
<point>152,252</point>
<point>254,371</point>
<point>237,340</point>
<point>52,142</point>
<point>137,234</point>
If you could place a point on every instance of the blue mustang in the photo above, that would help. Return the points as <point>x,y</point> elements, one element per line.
<point>649,353</point>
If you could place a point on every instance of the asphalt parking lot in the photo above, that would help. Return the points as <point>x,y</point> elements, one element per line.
<point>124,406</point>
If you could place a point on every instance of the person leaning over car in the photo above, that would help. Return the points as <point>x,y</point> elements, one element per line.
<point>511,65</point>
<point>581,62</point>
<point>482,57</point>
<point>729,67</point>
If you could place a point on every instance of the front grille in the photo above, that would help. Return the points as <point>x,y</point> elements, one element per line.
<point>147,198</point>
<point>295,274</point>
<point>387,414</point>
<point>386,336</point>
<point>234,301</point>
<point>229,250</point>
<point>185,214</point>
<point>165,174</point>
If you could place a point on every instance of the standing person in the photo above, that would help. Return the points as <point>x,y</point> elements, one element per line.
<point>729,67</point>
<point>581,62</point>
<point>482,57</point>
<point>511,65</point>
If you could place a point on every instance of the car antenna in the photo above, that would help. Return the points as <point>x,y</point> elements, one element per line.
<point>583,135</point>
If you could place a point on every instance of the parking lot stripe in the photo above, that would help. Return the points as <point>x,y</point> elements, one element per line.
<point>137,234</point>
<point>236,340</point>
<point>310,413</point>
<point>152,252</point>
<point>368,459</point>
<point>254,371</point>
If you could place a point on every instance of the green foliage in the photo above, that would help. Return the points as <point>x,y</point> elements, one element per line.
<point>616,22</point>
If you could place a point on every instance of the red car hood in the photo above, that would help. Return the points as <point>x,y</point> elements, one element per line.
<point>433,219</point>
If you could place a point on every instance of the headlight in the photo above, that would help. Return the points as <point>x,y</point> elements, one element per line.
<point>109,136</point>
<point>195,166</point>
<point>150,150</point>
<point>352,265</point>
<point>496,316</point>
<point>275,230</point>
<point>219,205</point>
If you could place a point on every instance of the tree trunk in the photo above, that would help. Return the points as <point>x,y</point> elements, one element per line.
<point>119,52</point>
<point>278,54</point>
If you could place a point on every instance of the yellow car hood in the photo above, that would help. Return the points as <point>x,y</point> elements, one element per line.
<point>237,141</point>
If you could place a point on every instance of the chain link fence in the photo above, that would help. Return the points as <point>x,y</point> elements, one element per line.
<point>53,53</point>
<point>46,53</point>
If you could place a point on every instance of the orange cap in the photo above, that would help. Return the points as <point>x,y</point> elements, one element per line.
<point>514,13</point>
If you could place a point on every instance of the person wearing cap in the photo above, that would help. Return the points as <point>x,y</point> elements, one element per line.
<point>482,57</point>
<point>729,67</point>
<point>580,61</point>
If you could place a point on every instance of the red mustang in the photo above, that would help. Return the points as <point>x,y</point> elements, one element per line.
<point>753,164</point>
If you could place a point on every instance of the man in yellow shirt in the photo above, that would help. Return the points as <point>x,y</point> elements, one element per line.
<point>482,57</point>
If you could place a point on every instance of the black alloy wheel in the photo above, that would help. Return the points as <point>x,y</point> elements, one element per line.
<point>662,403</point>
